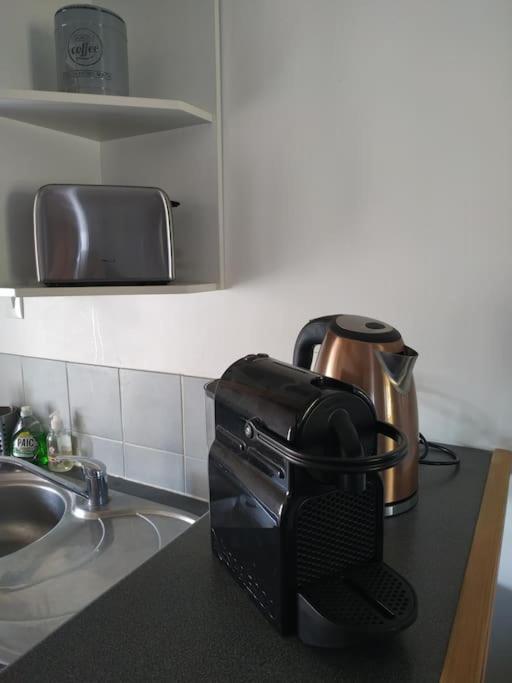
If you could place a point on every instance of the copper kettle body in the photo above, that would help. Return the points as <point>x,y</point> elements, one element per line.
<point>371,355</point>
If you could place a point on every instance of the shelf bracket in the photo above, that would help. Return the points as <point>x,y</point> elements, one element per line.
<point>16,309</point>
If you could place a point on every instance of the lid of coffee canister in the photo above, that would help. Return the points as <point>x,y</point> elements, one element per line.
<point>95,8</point>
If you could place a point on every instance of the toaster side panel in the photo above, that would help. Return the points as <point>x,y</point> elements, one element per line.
<point>95,234</point>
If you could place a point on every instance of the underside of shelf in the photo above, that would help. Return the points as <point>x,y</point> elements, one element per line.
<point>107,290</point>
<point>99,117</point>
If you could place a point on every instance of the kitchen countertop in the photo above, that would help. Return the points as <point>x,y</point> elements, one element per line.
<point>181,617</point>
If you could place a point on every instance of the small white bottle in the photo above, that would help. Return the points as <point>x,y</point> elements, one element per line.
<point>58,442</point>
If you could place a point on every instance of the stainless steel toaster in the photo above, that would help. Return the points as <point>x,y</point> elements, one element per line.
<point>103,234</point>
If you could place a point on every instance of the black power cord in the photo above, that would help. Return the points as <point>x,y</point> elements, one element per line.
<point>432,445</point>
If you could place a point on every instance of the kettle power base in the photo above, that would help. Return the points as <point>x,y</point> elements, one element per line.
<point>401,506</point>
<point>366,601</point>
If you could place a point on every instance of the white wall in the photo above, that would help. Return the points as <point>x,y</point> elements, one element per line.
<point>368,169</point>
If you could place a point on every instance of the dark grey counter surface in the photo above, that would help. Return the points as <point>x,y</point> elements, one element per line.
<point>180,616</point>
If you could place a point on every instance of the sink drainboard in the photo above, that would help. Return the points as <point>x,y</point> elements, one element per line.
<point>53,564</point>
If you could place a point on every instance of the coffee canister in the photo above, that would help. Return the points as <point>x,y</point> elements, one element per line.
<point>91,50</point>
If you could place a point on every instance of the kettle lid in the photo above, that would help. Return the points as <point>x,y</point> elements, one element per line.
<point>361,328</point>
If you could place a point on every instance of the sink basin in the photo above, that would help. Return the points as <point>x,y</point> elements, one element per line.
<point>56,557</point>
<point>27,512</point>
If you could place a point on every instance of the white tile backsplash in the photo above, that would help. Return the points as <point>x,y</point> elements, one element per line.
<point>11,381</point>
<point>46,388</point>
<point>196,477</point>
<point>109,452</point>
<point>145,426</point>
<point>151,409</point>
<point>159,468</point>
<point>194,417</point>
<point>94,400</point>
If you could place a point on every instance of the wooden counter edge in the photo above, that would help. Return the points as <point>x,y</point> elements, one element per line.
<point>466,655</point>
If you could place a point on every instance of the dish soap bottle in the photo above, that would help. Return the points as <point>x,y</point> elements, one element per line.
<point>58,442</point>
<point>28,440</point>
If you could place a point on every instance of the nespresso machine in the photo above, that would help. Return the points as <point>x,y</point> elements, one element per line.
<point>296,502</point>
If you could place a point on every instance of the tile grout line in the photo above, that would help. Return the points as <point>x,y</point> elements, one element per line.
<point>76,432</point>
<point>121,415</point>
<point>22,381</point>
<point>97,436</point>
<point>99,365</point>
<point>161,488</point>
<point>146,448</point>
<point>182,403</point>
<point>69,398</point>
<point>205,424</point>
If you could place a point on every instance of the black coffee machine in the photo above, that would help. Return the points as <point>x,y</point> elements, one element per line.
<point>296,502</point>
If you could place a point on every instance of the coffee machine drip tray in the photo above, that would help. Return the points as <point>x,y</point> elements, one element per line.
<point>366,600</point>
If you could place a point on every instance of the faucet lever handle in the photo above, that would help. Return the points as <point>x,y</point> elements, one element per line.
<point>95,476</point>
<point>90,466</point>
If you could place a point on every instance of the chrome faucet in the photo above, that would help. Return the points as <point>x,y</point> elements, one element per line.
<point>95,490</point>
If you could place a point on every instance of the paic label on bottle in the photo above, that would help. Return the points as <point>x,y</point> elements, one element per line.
<point>25,445</point>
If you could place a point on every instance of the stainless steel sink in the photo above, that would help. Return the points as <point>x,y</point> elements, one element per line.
<point>26,514</point>
<point>56,558</point>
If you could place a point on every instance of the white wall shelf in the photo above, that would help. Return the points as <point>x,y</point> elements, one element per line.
<point>167,134</point>
<point>106,290</point>
<point>99,117</point>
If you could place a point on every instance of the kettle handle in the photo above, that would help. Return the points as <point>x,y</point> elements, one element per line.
<point>312,333</point>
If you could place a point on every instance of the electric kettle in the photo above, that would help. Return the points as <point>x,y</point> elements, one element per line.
<point>371,355</point>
